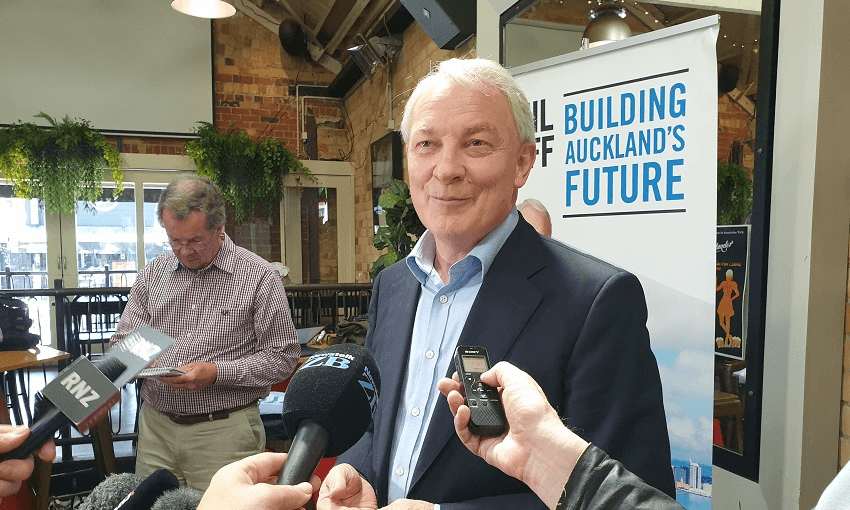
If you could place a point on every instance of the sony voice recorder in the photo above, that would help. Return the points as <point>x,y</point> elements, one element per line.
<point>487,414</point>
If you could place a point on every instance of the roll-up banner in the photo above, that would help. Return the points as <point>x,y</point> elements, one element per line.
<point>627,166</point>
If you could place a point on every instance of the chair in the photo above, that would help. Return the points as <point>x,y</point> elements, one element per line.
<point>15,394</point>
<point>729,403</point>
<point>93,320</point>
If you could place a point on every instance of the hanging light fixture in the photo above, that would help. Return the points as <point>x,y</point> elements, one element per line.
<point>606,25</point>
<point>204,8</point>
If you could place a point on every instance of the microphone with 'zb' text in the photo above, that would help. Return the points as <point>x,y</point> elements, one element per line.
<point>329,404</point>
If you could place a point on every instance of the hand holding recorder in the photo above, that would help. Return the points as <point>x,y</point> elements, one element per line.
<point>535,431</point>
<point>564,470</point>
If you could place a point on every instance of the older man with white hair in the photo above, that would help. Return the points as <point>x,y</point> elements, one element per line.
<point>481,275</point>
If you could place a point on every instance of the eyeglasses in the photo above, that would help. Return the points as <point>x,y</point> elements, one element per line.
<point>194,245</point>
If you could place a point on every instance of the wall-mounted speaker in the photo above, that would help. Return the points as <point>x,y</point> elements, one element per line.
<point>449,23</point>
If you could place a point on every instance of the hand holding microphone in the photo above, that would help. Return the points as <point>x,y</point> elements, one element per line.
<point>328,406</point>
<point>13,472</point>
<point>249,485</point>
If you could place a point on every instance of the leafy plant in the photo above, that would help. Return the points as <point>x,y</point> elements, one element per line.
<point>248,172</point>
<point>403,227</point>
<point>58,164</point>
<point>734,193</point>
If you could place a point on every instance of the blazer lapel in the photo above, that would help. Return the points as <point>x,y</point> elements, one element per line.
<point>400,300</point>
<point>504,304</point>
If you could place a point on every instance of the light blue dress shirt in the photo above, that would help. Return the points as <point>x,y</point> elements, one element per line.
<point>440,316</point>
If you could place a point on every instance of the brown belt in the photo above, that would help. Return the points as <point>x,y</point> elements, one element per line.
<point>193,419</point>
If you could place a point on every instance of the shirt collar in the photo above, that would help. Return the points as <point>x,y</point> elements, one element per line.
<point>421,258</point>
<point>225,259</point>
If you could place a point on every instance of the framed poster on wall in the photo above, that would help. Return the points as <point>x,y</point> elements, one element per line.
<point>730,325</point>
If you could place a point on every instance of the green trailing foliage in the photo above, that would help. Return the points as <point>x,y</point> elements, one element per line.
<point>403,227</point>
<point>248,172</point>
<point>734,193</point>
<point>59,164</point>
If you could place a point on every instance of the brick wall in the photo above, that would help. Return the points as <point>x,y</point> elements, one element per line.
<point>367,108</point>
<point>253,76</point>
<point>254,90</point>
<point>734,124</point>
<point>140,145</point>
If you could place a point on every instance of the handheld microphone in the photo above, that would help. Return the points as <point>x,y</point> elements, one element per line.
<point>83,393</point>
<point>151,488</point>
<point>329,404</point>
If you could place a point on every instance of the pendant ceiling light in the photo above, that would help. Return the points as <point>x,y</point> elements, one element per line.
<point>606,24</point>
<point>204,8</point>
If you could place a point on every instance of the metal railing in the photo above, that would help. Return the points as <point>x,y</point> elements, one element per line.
<point>106,277</point>
<point>87,317</point>
<point>22,279</point>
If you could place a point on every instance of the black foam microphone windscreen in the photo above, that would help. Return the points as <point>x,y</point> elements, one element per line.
<point>151,488</point>
<point>328,406</point>
<point>184,498</point>
<point>110,492</point>
<point>337,388</point>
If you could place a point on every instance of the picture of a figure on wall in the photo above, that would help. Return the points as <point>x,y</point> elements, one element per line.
<point>725,310</point>
<point>730,324</point>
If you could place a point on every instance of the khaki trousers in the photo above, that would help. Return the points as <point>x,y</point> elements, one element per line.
<point>195,452</point>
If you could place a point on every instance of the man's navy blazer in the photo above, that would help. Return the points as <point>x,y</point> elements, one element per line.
<point>574,323</point>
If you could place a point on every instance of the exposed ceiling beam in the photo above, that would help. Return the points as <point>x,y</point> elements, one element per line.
<point>744,6</point>
<point>267,21</point>
<point>373,17</point>
<point>255,13</point>
<point>651,16</point>
<point>349,20</point>
<point>739,97</point>
<point>688,17</point>
<point>295,15</point>
<point>321,21</point>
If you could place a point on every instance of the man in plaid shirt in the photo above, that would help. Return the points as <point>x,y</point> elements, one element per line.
<point>227,309</point>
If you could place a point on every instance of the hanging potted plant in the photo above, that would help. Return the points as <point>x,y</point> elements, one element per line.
<point>248,172</point>
<point>59,164</point>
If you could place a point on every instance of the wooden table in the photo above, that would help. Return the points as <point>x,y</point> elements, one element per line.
<point>14,360</point>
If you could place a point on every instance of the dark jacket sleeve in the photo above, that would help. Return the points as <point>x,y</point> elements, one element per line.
<point>597,481</point>
<point>613,396</point>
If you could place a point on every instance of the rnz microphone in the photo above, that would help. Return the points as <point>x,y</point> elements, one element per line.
<point>82,393</point>
<point>329,404</point>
